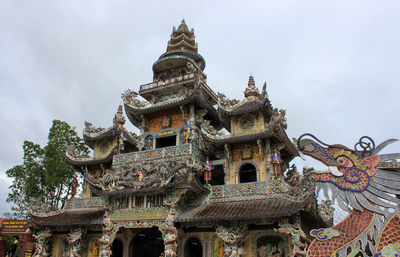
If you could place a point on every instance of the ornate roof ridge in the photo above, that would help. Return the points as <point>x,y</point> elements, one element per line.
<point>268,131</point>
<point>179,36</point>
<point>174,47</point>
<point>92,132</point>
<point>249,104</point>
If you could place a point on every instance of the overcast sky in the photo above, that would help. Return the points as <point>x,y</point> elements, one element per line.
<point>333,65</point>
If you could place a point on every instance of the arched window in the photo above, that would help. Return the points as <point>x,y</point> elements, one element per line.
<point>247,173</point>
<point>193,248</point>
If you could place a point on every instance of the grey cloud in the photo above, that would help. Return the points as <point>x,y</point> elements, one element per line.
<point>333,65</point>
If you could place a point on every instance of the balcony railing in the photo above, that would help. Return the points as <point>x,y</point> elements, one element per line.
<point>80,203</point>
<point>164,83</point>
<point>248,190</point>
<point>153,154</point>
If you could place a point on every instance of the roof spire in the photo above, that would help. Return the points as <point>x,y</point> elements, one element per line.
<point>182,39</point>
<point>251,89</point>
<point>119,119</point>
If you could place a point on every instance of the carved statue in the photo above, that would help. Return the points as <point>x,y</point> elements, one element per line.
<point>292,176</point>
<point>207,127</point>
<point>282,118</point>
<point>298,237</point>
<point>89,128</point>
<point>226,102</point>
<point>74,240</point>
<point>326,210</point>
<point>354,181</point>
<point>41,243</point>
<point>233,238</point>
<point>130,97</point>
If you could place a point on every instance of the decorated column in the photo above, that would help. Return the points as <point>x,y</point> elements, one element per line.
<point>233,238</point>
<point>109,231</point>
<point>170,234</point>
<point>74,239</point>
<point>42,243</point>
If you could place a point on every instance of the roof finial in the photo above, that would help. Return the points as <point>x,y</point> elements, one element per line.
<point>183,27</point>
<point>251,89</point>
<point>119,118</point>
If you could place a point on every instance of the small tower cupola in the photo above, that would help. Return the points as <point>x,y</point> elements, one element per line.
<point>251,89</point>
<point>182,48</point>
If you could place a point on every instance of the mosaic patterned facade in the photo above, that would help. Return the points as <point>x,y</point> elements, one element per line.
<point>212,176</point>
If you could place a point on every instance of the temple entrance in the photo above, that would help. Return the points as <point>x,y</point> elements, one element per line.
<point>147,243</point>
<point>117,248</point>
<point>193,248</point>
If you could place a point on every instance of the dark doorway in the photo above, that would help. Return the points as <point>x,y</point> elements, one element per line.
<point>193,248</point>
<point>147,243</point>
<point>247,173</point>
<point>117,248</point>
<point>218,175</point>
<point>166,141</point>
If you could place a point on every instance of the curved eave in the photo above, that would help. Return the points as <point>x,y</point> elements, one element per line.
<point>182,36</point>
<point>144,190</point>
<point>182,45</point>
<point>245,106</point>
<point>276,131</point>
<point>70,217</point>
<point>90,161</point>
<point>131,138</point>
<point>288,143</point>
<point>200,93</point>
<point>134,113</point>
<point>90,138</point>
<point>270,207</point>
<point>169,57</point>
<point>237,139</point>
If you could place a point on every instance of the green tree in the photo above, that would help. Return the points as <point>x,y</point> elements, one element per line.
<point>44,173</point>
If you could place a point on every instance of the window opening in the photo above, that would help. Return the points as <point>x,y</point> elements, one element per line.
<point>166,141</point>
<point>247,173</point>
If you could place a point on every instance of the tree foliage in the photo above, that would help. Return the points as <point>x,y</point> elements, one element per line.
<point>44,173</point>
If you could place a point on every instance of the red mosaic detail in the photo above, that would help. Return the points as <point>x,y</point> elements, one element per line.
<point>391,233</point>
<point>348,232</point>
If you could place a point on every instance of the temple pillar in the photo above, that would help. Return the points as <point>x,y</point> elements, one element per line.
<point>126,241</point>
<point>42,243</point>
<point>74,239</point>
<point>233,238</point>
<point>109,231</point>
<point>170,234</point>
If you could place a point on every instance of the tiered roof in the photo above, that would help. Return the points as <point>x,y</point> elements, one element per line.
<point>182,39</point>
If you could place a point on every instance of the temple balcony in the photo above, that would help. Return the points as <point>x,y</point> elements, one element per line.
<point>84,203</point>
<point>165,153</point>
<point>249,191</point>
<point>168,83</point>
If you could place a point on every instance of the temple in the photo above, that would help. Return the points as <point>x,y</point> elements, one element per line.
<point>207,176</point>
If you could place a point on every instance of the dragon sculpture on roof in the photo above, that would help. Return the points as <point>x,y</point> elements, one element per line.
<point>354,180</point>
